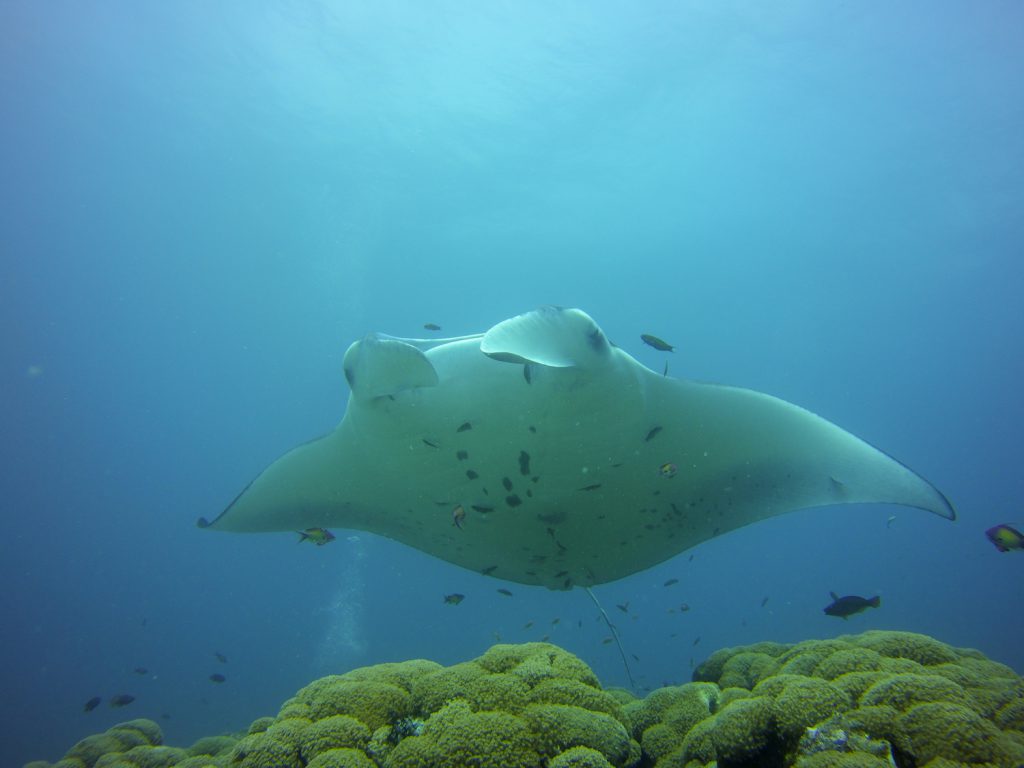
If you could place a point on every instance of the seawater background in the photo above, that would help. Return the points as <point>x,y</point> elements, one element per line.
<point>204,204</point>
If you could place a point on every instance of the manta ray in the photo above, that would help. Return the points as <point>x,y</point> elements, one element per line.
<point>541,453</point>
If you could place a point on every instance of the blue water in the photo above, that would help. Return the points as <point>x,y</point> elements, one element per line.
<point>202,204</point>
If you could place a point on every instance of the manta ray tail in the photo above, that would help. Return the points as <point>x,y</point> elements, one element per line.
<point>615,634</point>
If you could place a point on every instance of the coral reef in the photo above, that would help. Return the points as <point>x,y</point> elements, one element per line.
<point>875,700</point>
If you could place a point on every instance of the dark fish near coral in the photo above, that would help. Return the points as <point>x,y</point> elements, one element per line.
<point>670,582</point>
<point>217,677</point>
<point>1005,538</point>
<point>432,326</point>
<point>458,516</point>
<point>140,671</point>
<point>659,344</point>
<point>846,606</point>
<point>221,657</point>
<point>91,704</point>
<point>121,700</point>
<point>454,598</point>
<point>318,536</point>
<point>527,625</point>
<point>504,592</point>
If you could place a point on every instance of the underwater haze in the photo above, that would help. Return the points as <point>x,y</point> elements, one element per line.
<point>203,204</point>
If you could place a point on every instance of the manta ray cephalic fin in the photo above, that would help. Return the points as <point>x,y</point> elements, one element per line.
<point>377,367</point>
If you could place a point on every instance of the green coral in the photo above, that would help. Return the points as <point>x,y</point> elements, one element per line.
<point>261,724</point>
<point>331,733</point>
<point>835,703</point>
<point>156,757</point>
<point>848,661</point>
<point>803,703</point>
<point>373,702</point>
<point>953,731</point>
<point>433,690</point>
<point>580,757</point>
<point>903,691</point>
<point>558,727</point>
<point>745,670</point>
<point>213,745</point>
<point>456,736</point>
<point>925,650</point>
<point>341,758</point>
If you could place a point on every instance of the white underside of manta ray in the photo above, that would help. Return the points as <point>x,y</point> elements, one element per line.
<point>573,463</point>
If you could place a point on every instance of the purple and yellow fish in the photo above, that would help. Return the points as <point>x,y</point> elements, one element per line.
<point>318,536</point>
<point>1005,538</point>
<point>668,469</point>
<point>458,516</point>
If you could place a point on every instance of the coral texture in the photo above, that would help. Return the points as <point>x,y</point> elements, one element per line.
<point>875,700</point>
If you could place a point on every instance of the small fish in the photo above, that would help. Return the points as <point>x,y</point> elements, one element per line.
<point>592,487</point>
<point>220,657</point>
<point>653,433</point>
<point>608,640</point>
<point>764,601</point>
<point>579,624</point>
<point>554,622</point>
<point>217,677</point>
<point>454,598</point>
<point>140,671</point>
<point>432,326</point>
<point>624,607</point>
<point>890,521</point>
<point>668,469</point>
<point>670,582</point>
<point>482,508</point>
<point>431,443</point>
<point>545,638</point>
<point>504,592</point>
<point>318,536</point>
<point>1005,538</point>
<point>122,700</point>
<point>684,607</point>
<point>527,625</point>
<point>696,640</point>
<point>489,570</point>
<point>464,427</point>
<point>92,703</point>
<point>665,372</point>
<point>846,606</point>
<point>458,516</point>
<point>497,636</point>
<point>635,657</point>
<point>658,344</point>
